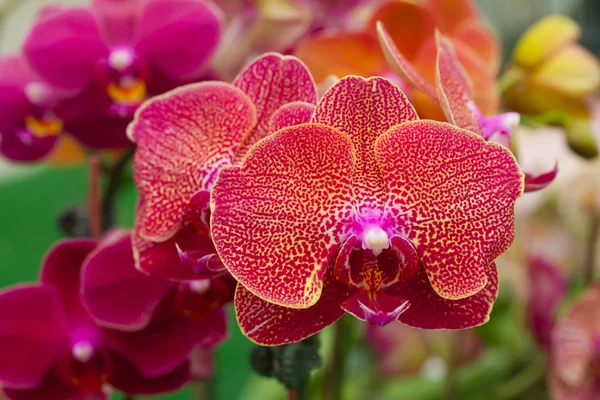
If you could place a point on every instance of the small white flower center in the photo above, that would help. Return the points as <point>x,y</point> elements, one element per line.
<point>36,93</point>
<point>83,351</point>
<point>120,59</point>
<point>201,286</point>
<point>375,239</point>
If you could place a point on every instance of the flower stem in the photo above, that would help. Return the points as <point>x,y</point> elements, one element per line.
<point>509,78</point>
<point>115,181</point>
<point>94,211</point>
<point>451,385</point>
<point>591,249</point>
<point>200,390</point>
<point>334,374</point>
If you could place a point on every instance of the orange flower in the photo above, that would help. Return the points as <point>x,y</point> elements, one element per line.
<point>412,28</point>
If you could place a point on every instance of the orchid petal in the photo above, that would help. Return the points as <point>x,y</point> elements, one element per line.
<point>65,47</point>
<point>378,309</point>
<point>364,109</point>
<point>183,138</point>
<point>447,185</point>
<point>162,259</point>
<point>430,311</point>
<point>402,66</point>
<point>267,207</point>
<point>453,89</point>
<point>540,181</point>
<point>270,82</point>
<point>50,388</point>
<point>474,34</point>
<point>341,54</point>
<point>177,37</point>
<point>25,149</point>
<point>544,38</point>
<point>33,333</point>
<point>449,15</point>
<point>128,380</point>
<point>62,269</point>
<point>573,71</point>
<point>200,211</point>
<point>268,324</point>
<point>114,292</point>
<point>291,114</point>
<point>409,25</point>
<point>118,18</point>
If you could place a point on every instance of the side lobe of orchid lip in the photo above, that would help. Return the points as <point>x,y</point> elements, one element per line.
<point>402,66</point>
<point>263,213</point>
<point>268,324</point>
<point>540,181</point>
<point>183,138</point>
<point>471,213</point>
<point>379,309</point>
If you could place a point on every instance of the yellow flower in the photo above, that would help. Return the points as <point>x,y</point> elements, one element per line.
<point>553,77</point>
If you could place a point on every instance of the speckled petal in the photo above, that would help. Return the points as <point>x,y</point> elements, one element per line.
<point>271,325</point>
<point>540,181</point>
<point>290,114</point>
<point>453,89</point>
<point>183,138</point>
<point>430,311</point>
<point>270,82</point>
<point>277,220</point>
<point>162,259</point>
<point>401,65</point>
<point>364,109</point>
<point>452,195</point>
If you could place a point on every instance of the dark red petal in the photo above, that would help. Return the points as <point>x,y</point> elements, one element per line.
<point>538,182</point>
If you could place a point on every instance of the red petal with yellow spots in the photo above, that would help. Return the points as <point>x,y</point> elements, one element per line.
<point>341,54</point>
<point>270,325</point>
<point>364,109</point>
<point>277,220</point>
<point>430,311</point>
<point>452,195</point>
<point>183,138</point>
<point>270,82</point>
<point>402,66</point>
<point>290,114</point>
<point>161,259</point>
<point>453,88</point>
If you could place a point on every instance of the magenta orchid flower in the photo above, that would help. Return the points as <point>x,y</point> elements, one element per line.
<point>112,56</point>
<point>454,93</point>
<point>547,289</point>
<point>184,138</point>
<point>576,350</point>
<point>366,210</point>
<point>53,349</point>
<point>29,123</point>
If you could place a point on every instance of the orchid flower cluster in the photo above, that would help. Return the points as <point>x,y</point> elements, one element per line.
<point>359,167</point>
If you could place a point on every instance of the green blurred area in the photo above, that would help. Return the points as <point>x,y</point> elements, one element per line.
<point>29,207</point>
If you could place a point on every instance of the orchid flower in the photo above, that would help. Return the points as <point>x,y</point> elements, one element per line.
<point>453,91</point>
<point>184,138</point>
<point>366,210</point>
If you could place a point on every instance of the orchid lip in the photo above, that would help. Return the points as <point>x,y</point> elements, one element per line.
<point>379,318</point>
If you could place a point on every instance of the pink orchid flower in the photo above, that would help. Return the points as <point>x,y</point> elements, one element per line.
<point>184,138</point>
<point>366,210</point>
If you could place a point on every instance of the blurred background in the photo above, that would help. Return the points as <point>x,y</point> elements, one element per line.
<point>549,223</point>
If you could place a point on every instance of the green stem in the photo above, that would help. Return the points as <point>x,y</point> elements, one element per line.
<point>509,78</point>
<point>516,386</point>
<point>200,390</point>
<point>591,250</point>
<point>335,372</point>
<point>115,181</point>
<point>451,384</point>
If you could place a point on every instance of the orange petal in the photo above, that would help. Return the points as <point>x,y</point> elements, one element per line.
<point>449,14</point>
<point>544,38</point>
<point>341,54</point>
<point>264,213</point>
<point>409,25</point>
<point>66,153</point>
<point>474,34</point>
<point>455,194</point>
<point>573,71</point>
